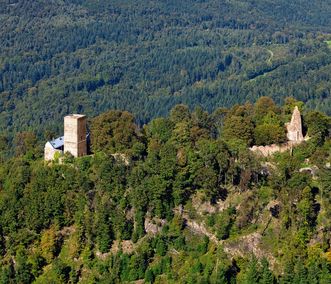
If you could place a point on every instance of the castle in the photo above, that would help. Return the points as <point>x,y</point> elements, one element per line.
<point>294,137</point>
<point>75,139</point>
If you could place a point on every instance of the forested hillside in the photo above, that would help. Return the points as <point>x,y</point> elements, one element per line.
<point>184,200</point>
<point>67,56</point>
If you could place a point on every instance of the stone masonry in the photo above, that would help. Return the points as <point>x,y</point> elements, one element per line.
<point>75,135</point>
<point>294,128</point>
<point>294,137</point>
<point>50,152</point>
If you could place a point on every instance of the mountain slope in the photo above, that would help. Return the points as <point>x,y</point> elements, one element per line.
<point>59,57</point>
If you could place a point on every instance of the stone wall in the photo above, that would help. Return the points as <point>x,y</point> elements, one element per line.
<point>49,152</point>
<point>271,149</point>
<point>294,136</point>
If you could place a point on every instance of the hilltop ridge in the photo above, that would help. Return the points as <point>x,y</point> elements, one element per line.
<point>191,204</point>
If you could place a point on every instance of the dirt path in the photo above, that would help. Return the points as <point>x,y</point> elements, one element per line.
<point>271,56</point>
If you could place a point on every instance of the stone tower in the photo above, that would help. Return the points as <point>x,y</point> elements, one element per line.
<point>75,135</point>
<point>294,128</point>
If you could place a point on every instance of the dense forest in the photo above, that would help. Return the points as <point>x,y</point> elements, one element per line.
<point>88,56</point>
<point>176,93</point>
<point>180,200</point>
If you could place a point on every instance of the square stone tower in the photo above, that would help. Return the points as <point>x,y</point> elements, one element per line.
<point>75,135</point>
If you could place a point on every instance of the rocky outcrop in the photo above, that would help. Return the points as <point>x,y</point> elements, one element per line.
<point>309,170</point>
<point>154,225</point>
<point>248,244</point>
<point>122,158</point>
<point>199,228</point>
<point>239,247</point>
<point>203,207</point>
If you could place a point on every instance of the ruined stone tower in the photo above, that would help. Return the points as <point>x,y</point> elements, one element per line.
<point>75,135</point>
<point>294,128</point>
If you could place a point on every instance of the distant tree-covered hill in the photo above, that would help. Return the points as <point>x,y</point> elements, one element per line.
<point>59,57</point>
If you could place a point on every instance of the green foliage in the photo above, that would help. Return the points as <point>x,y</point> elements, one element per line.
<point>224,222</point>
<point>266,275</point>
<point>318,126</point>
<point>166,214</point>
<point>267,134</point>
<point>113,131</point>
<point>25,144</point>
<point>264,106</point>
<point>194,52</point>
<point>238,127</point>
<point>252,274</point>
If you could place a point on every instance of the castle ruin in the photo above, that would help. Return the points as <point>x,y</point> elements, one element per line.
<point>294,137</point>
<point>74,141</point>
<point>294,128</point>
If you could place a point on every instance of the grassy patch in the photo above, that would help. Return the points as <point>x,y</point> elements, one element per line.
<point>279,51</point>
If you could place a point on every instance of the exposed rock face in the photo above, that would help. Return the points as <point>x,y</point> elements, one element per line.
<point>310,170</point>
<point>153,226</point>
<point>294,128</point>
<point>201,229</point>
<point>120,157</point>
<point>251,243</point>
